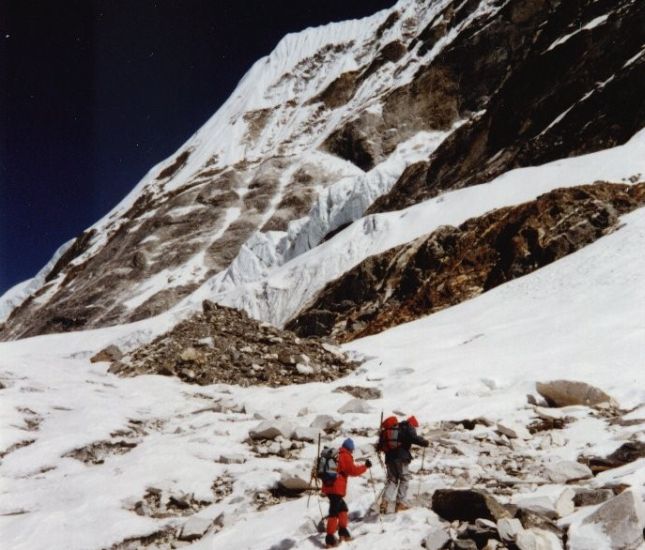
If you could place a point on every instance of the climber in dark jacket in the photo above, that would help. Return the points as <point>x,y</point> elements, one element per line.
<point>397,461</point>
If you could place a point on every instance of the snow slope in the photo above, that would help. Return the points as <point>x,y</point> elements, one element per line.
<point>581,317</point>
<point>274,293</point>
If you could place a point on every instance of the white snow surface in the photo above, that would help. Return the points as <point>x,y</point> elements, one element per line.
<point>579,318</point>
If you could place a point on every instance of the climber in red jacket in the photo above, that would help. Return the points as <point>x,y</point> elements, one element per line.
<point>335,488</point>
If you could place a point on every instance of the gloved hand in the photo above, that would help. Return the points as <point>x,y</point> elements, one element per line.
<point>368,463</point>
<point>426,443</point>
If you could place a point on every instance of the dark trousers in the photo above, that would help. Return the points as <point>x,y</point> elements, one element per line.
<point>337,519</point>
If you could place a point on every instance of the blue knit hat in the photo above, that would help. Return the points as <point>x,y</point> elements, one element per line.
<point>348,444</point>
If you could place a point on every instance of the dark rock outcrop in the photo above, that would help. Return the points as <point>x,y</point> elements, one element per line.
<point>549,80</point>
<point>454,264</point>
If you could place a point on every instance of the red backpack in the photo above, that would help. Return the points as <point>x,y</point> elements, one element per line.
<point>389,435</point>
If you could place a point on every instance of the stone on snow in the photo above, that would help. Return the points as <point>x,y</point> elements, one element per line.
<point>567,470</point>
<point>194,528</point>
<point>270,429</point>
<point>560,393</point>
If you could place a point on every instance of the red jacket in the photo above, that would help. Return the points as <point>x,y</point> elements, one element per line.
<point>346,467</point>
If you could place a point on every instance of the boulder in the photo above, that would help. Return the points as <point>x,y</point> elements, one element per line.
<point>567,470</point>
<point>626,453</point>
<point>356,406</point>
<point>508,528</point>
<point>591,497</point>
<point>561,393</point>
<point>109,354</point>
<point>550,502</point>
<point>467,505</point>
<point>304,433</point>
<point>621,520</point>
<point>537,539</point>
<point>437,539</point>
<point>232,459</point>
<point>326,423</point>
<point>292,484</point>
<point>513,430</point>
<point>360,392</point>
<point>194,528</point>
<point>270,429</point>
<point>532,520</point>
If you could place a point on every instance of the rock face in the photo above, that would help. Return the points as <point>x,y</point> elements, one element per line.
<point>224,345</point>
<point>553,74</point>
<point>561,393</point>
<point>621,519</point>
<point>504,84</point>
<point>454,264</point>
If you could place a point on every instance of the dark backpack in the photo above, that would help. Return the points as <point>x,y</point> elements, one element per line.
<point>389,435</point>
<point>327,469</point>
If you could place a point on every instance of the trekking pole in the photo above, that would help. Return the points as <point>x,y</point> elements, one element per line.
<point>314,472</point>
<point>376,500</point>
<point>423,458</point>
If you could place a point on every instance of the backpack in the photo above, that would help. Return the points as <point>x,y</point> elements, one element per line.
<point>389,435</point>
<point>327,465</point>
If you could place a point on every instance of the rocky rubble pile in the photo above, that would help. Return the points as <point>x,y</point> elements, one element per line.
<point>224,345</point>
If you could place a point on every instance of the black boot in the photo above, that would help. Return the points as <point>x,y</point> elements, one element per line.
<point>343,533</point>
<point>331,541</point>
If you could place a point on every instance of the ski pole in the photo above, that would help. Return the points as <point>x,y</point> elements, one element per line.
<point>376,500</point>
<point>423,458</point>
<point>314,472</point>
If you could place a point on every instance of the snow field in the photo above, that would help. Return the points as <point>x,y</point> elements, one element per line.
<point>579,318</point>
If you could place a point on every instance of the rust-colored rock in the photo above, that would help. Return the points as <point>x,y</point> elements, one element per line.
<point>453,264</point>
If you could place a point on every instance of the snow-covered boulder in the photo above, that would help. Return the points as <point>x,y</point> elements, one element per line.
<point>508,528</point>
<point>537,539</point>
<point>567,470</point>
<point>550,501</point>
<point>194,528</point>
<point>326,423</point>
<point>617,525</point>
<point>438,538</point>
<point>270,429</point>
<point>305,433</point>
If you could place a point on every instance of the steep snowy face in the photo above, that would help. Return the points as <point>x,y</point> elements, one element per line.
<point>257,164</point>
<point>341,119</point>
